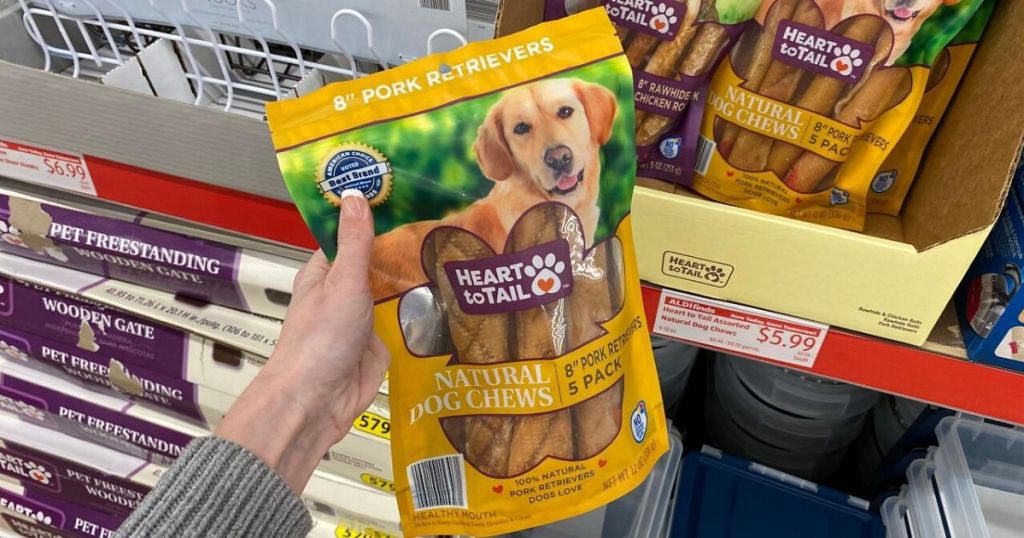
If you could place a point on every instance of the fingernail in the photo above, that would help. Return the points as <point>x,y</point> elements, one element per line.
<point>352,204</point>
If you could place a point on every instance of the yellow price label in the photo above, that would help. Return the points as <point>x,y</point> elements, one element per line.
<point>382,484</point>
<point>374,424</point>
<point>344,532</point>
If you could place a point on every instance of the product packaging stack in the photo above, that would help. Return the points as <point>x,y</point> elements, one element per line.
<point>969,485</point>
<point>118,330</point>
<point>832,132</point>
<point>789,420</point>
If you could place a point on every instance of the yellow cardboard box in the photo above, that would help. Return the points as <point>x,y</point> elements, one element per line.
<point>895,279</point>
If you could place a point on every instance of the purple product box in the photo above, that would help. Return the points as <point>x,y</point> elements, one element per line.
<point>94,327</point>
<point>170,393</point>
<point>34,402</point>
<point>34,515</point>
<point>44,474</point>
<point>188,267</point>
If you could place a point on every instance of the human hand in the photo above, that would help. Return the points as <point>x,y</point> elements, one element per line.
<point>328,364</point>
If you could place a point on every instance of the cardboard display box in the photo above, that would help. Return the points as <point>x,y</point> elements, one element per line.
<point>989,300</point>
<point>25,513</point>
<point>893,280</point>
<point>160,318</point>
<point>146,387</point>
<point>188,228</point>
<point>110,334</point>
<point>92,314</point>
<point>74,464</point>
<point>209,345</point>
<point>193,269</point>
<point>110,419</point>
<point>96,482</point>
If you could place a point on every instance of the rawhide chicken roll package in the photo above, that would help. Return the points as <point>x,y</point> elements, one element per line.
<point>806,107</point>
<point>523,387</point>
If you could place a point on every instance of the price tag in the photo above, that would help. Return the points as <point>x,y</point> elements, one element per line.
<point>382,484</point>
<point>45,166</point>
<point>374,424</point>
<point>342,531</point>
<point>741,329</point>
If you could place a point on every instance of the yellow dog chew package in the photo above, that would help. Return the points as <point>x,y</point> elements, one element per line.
<point>523,387</point>
<point>803,112</point>
<point>893,180</point>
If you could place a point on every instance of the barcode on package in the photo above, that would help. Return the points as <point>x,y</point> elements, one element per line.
<point>443,5</point>
<point>482,10</point>
<point>705,149</point>
<point>438,483</point>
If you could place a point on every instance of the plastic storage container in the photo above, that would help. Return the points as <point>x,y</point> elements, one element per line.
<point>897,517</point>
<point>979,471</point>
<point>674,361</point>
<point>802,394</point>
<point>644,513</point>
<point>720,496</point>
<point>730,437</point>
<point>776,427</point>
<point>892,417</point>
<point>921,495</point>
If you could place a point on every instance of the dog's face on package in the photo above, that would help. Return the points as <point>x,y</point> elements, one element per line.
<point>905,17</point>
<point>545,136</point>
<point>913,12</point>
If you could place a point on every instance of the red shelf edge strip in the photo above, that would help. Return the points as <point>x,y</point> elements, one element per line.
<point>907,371</point>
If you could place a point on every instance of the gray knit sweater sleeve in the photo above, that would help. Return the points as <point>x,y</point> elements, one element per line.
<point>218,489</point>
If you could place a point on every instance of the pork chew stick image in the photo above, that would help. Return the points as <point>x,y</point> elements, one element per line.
<point>597,294</point>
<point>874,97</point>
<point>599,419</point>
<point>477,339</point>
<point>540,334</point>
<point>639,48</point>
<point>705,48</point>
<point>780,82</point>
<point>822,93</point>
<point>760,59</point>
<point>883,46</point>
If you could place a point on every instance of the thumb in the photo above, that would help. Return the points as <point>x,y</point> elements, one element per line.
<point>355,240</point>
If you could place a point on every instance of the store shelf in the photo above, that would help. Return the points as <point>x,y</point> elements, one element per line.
<point>937,373</point>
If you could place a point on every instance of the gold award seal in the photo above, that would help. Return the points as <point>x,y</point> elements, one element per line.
<point>355,166</point>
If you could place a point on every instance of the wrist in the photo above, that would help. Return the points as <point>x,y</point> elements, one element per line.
<point>271,421</point>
